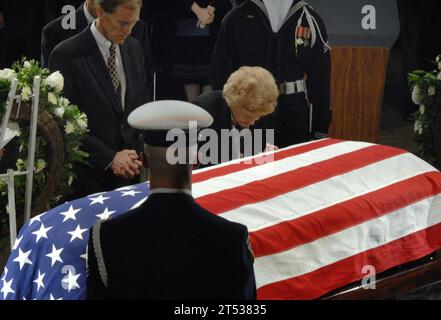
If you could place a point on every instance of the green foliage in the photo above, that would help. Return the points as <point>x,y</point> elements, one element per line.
<point>426,93</point>
<point>72,123</point>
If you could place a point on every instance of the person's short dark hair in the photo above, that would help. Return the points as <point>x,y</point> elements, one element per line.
<point>109,6</point>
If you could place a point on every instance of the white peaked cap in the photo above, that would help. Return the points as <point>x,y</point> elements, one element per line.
<point>157,118</point>
<point>168,114</point>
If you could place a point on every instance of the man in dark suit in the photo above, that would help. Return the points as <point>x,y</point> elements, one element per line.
<point>54,33</point>
<point>170,247</point>
<point>104,74</point>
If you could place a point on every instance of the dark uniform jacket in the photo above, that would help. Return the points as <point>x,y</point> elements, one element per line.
<point>87,83</point>
<point>247,39</point>
<point>170,248</point>
<point>54,33</point>
<point>214,103</point>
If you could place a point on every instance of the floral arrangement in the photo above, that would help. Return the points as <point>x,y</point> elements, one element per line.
<point>72,123</point>
<point>426,93</point>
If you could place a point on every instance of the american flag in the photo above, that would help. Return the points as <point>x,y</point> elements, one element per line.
<point>48,260</point>
<point>317,215</point>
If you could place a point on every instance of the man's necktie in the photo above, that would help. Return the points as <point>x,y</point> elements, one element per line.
<point>111,65</point>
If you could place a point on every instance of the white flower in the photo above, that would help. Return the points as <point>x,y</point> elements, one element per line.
<point>431,91</point>
<point>416,95</point>
<point>56,81</point>
<point>299,41</point>
<point>439,76</point>
<point>70,180</point>
<point>418,127</point>
<point>26,93</point>
<point>52,98</point>
<point>41,164</point>
<point>27,65</point>
<point>439,65</point>
<point>7,74</point>
<point>59,112</point>
<point>82,124</point>
<point>69,127</point>
<point>422,109</point>
<point>63,102</point>
<point>21,164</point>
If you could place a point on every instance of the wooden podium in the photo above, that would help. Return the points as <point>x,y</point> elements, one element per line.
<point>359,63</point>
<point>357,85</point>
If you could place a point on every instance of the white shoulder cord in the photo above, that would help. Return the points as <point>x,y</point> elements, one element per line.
<point>312,21</point>
<point>96,234</point>
<point>299,22</point>
<point>313,25</point>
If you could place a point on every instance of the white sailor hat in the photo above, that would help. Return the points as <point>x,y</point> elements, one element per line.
<point>157,118</point>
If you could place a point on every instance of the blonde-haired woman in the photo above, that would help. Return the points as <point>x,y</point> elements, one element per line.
<point>249,95</point>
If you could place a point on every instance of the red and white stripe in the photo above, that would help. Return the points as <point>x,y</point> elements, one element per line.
<point>321,211</point>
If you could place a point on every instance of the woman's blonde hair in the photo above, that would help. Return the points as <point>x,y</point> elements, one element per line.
<point>252,88</point>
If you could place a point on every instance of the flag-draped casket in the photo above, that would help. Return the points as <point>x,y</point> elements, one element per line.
<point>318,214</point>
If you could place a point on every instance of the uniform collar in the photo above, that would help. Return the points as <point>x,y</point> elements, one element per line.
<point>170,191</point>
<point>296,6</point>
<point>277,12</point>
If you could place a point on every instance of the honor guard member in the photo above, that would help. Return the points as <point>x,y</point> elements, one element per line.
<point>290,40</point>
<point>170,247</point>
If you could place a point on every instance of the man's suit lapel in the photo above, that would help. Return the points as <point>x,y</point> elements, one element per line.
<point>129,63</point>
<point>98,67</point>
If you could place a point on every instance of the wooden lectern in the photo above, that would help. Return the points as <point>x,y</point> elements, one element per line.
<point>359,62</point>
